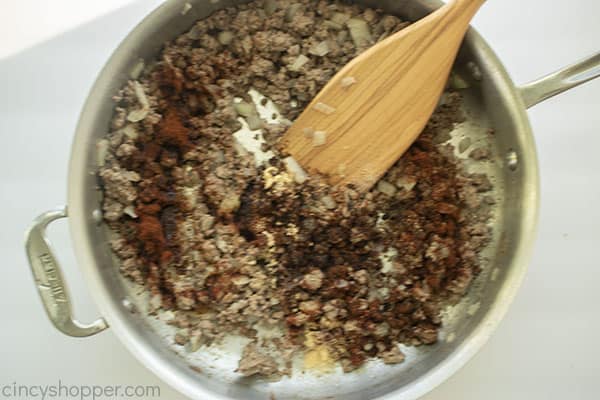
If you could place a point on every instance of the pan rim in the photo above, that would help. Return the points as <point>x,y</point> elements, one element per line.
<point>177,373</point>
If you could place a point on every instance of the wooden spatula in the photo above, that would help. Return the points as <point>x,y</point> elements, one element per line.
<point>370,113</point>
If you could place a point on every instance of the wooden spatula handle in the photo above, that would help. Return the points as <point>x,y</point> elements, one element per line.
<point>398,84</point>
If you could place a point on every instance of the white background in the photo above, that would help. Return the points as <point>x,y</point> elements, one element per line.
<point>546,348</point>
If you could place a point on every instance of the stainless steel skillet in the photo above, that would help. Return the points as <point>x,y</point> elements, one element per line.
<point>492,100</point>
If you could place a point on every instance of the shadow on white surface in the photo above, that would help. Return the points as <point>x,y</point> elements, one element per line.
<point>28,22</point>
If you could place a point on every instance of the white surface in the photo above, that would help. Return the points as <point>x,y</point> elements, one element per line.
<point>546,348</point>
<point>28,22</point>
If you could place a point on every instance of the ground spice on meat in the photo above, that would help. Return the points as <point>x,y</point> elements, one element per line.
<point>171,132</point>
<point>227,245</point>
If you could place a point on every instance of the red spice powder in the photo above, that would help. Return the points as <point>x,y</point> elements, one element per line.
<point>150,209</point>
<point>151,151</point>
<point>151,234</point>
<point>171,131</point>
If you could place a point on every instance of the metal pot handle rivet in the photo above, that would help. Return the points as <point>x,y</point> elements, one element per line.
<point>561,80</point>
<point>49,280</point>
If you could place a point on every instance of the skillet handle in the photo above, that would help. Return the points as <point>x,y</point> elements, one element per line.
<point>559,81</point>
<point>49,280</point>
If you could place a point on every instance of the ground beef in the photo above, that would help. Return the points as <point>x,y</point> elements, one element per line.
<point>256,362</point>
<point>227,245</point>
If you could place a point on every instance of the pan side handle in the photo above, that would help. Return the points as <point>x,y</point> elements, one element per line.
<point>49,281</point>
<point>550,85</point>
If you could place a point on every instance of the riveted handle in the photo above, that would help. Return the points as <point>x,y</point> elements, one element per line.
<point>561,80</point>
<point>49,280</point>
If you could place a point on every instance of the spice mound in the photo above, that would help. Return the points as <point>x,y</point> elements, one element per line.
<point>230,236</point>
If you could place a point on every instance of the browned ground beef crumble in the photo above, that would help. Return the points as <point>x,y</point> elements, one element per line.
<point>230,247</point>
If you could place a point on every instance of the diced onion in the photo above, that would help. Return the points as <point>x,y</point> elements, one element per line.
<point>144,110</point>
<point>244,109</point>
<point>241,150</point>
<point>328,202</point>
<point>137,69</point>
<point>333,25</point>
<point>320,49</point>
<point>130,131</point>
<point>308,132</point>
<point>254,122</point>
<point>270,6</point>
<point>340,18</point>
<point>324,108</point>
<point>130,210</point>
<point>186,7</point>
<point>342,36</point>
<point>299,62</point>
<point>137,115</point>
<point>102,151</point>
<point>285,122</point>
<point>225,37</point>
<point>406,183</point>
<point>386,188</point>
<point>141,94</point>
<point>295,170</point>
<point>319,138</point>
<point>347,81</point>
<point>291,12</point>
<point>457,82</point>
<point>359,31</point>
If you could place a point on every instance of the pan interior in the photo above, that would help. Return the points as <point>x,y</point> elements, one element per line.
<point>489,102</point>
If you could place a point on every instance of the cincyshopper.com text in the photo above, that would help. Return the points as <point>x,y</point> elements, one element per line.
<point>63,391</point>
